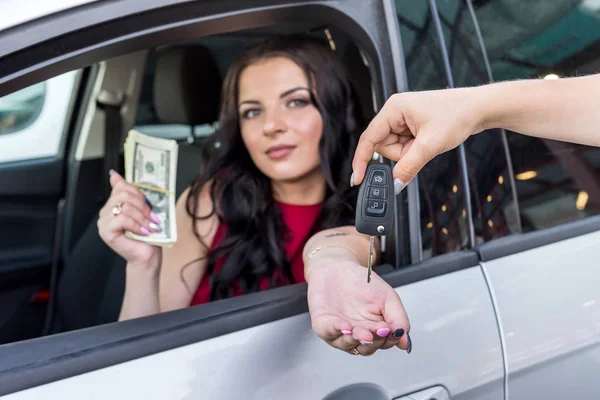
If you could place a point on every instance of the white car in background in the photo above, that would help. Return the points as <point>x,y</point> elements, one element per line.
<point>495,246</point>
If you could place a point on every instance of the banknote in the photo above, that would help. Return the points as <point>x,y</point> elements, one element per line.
<point>151,165</point>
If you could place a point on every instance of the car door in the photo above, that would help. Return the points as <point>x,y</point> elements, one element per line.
<point>261,345</point>
<point>545,281</point>
<point>34,127</point>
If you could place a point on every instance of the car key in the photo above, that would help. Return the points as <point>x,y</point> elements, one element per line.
<point>374,206</point>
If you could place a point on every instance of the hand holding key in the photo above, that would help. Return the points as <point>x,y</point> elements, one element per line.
<point>414,127</point>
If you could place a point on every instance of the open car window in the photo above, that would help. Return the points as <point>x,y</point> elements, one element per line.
<point>98,301</point>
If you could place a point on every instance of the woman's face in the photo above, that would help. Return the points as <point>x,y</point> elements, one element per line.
<point>280,126</point>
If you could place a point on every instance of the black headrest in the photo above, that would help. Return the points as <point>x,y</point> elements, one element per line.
<point>187,85</point>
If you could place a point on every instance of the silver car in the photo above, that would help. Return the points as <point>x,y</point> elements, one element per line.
<point>495,244</point>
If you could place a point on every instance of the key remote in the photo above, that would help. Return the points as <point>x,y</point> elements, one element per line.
<point>374,205</point>
<point>375,202</point>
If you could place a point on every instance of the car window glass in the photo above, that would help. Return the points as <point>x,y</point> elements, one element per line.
<point>442,201</point>
<point>35,115</point>
<point>21,108</point>
<point>556,182</point>
<point>493,202</point>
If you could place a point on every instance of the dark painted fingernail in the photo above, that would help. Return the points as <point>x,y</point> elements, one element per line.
<point>148,202</point>
<point>409,344</point>
<point>398,333</point>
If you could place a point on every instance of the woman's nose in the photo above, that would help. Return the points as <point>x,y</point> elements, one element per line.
<point>273,123</point>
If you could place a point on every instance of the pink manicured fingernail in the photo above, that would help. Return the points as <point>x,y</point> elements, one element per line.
<point>347,332</point>
<point>111,172</point>
<point>155,227</point>
<point>145,231</point>
<point>154,218</point>
<point>383,332</point>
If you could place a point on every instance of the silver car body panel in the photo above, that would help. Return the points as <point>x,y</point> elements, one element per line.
<point>548,301</point>
<point>454,331</point>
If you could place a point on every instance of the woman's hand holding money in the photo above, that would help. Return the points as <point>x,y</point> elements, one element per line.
<point>128,210</point>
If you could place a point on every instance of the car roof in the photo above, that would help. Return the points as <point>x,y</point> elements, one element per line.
<point>13,13</point>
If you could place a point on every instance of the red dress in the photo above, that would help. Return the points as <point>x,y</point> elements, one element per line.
<point>299,220</point>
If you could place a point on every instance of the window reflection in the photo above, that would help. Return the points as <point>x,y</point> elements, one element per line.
<point>492,197</point>
<point>556,182</point>
<point>443,223</point>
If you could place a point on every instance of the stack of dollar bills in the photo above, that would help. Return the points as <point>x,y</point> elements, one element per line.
<point>151,165</point>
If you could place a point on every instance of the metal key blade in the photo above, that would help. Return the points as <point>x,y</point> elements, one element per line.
<point>370,262</point>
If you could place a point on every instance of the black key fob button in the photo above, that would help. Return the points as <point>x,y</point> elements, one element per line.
<point>378,178</point>
<point>376,192</point>
<point>376,208</point>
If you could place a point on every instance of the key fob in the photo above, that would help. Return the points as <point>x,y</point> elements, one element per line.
<point>374,205</point>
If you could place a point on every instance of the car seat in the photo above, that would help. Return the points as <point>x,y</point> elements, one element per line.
<point>186,90</point>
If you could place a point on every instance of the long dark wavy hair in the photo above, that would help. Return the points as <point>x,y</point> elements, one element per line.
<point>242,195</point>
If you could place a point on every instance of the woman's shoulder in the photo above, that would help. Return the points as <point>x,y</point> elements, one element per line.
<point>184,264</point>
<point>196,203</point>
<point>196,195</point>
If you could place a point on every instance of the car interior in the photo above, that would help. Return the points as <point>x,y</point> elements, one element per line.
<point>171,92</point>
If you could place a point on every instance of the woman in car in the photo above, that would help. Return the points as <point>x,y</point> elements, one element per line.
<point>271,206</point>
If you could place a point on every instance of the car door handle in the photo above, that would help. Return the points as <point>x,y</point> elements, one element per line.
<point>434,393</point>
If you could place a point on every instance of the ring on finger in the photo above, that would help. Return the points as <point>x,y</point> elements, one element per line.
<point>355,351</point>
<point>117,209</point>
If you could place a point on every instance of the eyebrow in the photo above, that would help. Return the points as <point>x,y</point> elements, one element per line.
<point>282,95</point>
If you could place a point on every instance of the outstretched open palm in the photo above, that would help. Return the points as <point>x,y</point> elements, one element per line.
<point>351,314</point>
